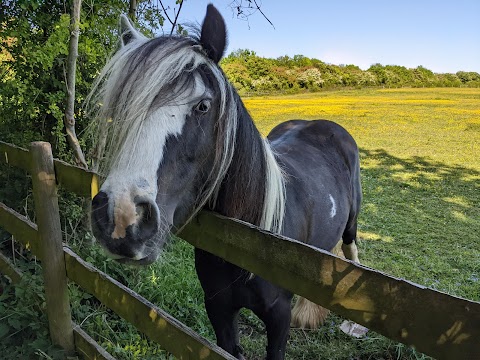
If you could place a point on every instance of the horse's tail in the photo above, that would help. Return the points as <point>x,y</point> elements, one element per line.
<point>308,315</point>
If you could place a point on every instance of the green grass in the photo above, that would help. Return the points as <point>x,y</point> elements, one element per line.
<point>421,183</point>
<point>420,176</point>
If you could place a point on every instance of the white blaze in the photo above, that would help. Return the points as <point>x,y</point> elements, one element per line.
<point>143,148</point>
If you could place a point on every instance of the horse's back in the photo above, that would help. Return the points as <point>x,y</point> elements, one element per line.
<point>326,143</point>
<point>317,133</point>
<point>320,159</point>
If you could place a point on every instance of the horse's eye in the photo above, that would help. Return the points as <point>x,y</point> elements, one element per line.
<point>203,106</point>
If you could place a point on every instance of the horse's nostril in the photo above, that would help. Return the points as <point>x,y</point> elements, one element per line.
<point>101,199</point>
<point>100,216</point>
<point>147,218</point>
<point>144,212</point>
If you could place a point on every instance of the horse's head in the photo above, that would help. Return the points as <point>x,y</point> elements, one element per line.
<point>165,105</point>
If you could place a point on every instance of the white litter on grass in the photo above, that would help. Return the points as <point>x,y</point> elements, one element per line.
<point>353,329</point>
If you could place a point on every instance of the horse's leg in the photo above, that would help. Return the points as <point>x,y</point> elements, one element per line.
<point>215,276</point>
<point>273,306</point>
<point>308,315</point>
<point>224,321</point>
<point>349,245</point>
<point>277,322</point>
<point>349,248</point>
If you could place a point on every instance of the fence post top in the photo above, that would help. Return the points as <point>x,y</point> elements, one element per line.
<point>40,144</point>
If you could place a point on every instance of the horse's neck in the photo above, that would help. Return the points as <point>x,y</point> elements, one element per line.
<point>242,191</point>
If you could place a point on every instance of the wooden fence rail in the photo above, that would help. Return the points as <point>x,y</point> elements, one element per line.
<point>435,323</point>
<point>8,269</point>
<point>43,240</point>
<point>159,326</point>
<point>152,321</point>
<point>26,233</point>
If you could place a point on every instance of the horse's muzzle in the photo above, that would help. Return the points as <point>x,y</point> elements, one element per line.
<point>126,227</point>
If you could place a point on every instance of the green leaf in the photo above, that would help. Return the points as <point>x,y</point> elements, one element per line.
<point>15,323</point>
<point>4,330</point>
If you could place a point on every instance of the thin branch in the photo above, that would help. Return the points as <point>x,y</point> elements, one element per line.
<point>176,17</point>
<point>165,12</point>
<point>245,11</point>
<point>261,12</point>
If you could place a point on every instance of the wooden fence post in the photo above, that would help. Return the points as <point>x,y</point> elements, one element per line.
<point>51,247</point>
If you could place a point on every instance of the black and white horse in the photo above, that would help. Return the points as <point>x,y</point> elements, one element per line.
<point>180,139</point>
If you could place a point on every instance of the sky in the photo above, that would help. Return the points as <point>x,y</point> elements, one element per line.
<point>443,36</point>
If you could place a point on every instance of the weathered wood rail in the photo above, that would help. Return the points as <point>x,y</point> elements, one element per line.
<point>435,323</point>
<point>45,239</point>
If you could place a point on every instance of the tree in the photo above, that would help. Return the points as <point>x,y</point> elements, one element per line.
<point>34,38</point>
<point>69,119</point>
<point>466,77</point>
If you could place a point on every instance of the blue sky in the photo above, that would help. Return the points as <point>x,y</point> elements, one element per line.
<point>443,36</point>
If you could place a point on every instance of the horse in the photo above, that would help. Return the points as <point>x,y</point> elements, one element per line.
<point>179,139</point>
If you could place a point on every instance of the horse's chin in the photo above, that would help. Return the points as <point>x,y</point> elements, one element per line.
<point>144,254</point>
<point>150,259</point>
<point>143,259</point>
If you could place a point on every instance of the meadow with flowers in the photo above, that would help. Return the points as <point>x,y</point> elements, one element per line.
<point>420,169</point>
<point>420,160</point>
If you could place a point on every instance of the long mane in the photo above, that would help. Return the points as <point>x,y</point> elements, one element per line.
<point>139,79</point>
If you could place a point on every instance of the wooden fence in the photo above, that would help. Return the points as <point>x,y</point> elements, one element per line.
<point>438,324</point>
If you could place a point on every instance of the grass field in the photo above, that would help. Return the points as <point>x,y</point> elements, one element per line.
<point>420,152</point>
<point>420,159</point>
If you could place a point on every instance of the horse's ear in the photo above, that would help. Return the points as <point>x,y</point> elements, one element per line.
<point>128,31</point>
<point>214,34</point>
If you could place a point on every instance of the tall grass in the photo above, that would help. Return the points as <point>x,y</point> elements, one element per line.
<point>421,184</point>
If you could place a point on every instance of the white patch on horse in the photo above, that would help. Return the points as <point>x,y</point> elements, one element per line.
<point>142,148</point>
<point>333,210</point>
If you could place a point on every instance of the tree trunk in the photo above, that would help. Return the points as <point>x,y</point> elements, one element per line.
<point>69,119</point>
<point>132,11</point>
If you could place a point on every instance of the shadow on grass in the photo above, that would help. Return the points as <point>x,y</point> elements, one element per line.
<point>425,214</point>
